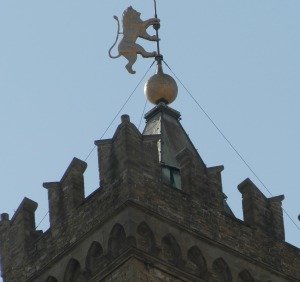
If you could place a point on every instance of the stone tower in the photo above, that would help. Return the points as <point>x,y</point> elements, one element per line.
<point>158,215</point>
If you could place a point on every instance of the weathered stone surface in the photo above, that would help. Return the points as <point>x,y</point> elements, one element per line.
<point>135,227</point>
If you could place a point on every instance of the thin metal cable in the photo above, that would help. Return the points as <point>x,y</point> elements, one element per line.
<point>42,220</point>
<point>228,141</point>
<point>126,101</point>
<point>143,114</point>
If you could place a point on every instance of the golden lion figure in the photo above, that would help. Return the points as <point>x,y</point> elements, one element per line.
<point>133,28</point>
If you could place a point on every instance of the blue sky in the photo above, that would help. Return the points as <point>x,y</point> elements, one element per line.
<point>60,90</point>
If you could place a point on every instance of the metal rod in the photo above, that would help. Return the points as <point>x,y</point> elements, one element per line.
<point>156,27</point>
<point>155,8</point>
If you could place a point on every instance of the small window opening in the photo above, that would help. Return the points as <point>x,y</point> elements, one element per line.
<point>171,176</point>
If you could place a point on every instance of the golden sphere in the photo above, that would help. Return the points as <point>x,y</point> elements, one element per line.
<point>161,87</point>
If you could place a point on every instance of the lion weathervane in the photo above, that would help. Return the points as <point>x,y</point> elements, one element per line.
<point>133,28</point>
<point>160,87</point>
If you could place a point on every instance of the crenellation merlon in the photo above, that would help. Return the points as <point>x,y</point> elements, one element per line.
<point>17,235</point>
<point>26,211</point>
<point>261,212</point>
<point>215,176</point>
<point>203,183</point>
<point>67,194</point>
<point>4,246</point>
<point>4,217</point>
<point>275,206</point>
<point>122,157</point>
<point>55,202</point>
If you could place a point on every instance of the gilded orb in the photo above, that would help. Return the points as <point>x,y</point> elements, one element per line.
<point>161,87</point>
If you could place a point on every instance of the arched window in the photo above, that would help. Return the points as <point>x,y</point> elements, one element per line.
<point>245,276</point>
<point>171,250</point>
<point>117,240</point>
<point>196,257</point>
<point>145,238</point>
<point>94,257</point>
<point>222,271</point>
<point>73,272</point>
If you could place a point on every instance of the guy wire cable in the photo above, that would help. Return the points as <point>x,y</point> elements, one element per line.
<point>41,220</point>
<point>117,114</point>
<point>110,124</point>
<point>228,141</point>
<point>146,102</point>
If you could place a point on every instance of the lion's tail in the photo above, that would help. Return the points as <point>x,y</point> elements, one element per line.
<point>109,52</point>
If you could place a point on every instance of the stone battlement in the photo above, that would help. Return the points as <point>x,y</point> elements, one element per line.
<point>156,176</point>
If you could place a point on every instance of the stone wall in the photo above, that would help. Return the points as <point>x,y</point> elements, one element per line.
<point>136,226</point>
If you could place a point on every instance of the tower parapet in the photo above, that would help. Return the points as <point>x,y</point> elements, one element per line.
<point>159,212</point>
